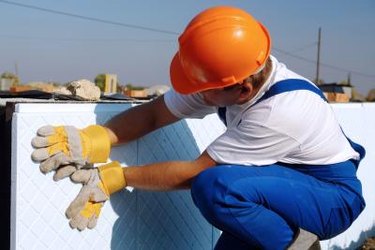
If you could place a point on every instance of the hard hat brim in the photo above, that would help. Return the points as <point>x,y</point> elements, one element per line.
<point>183,85</point>
<point>180,82</point>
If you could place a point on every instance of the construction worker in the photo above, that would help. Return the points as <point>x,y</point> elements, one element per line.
<point>283,166</point>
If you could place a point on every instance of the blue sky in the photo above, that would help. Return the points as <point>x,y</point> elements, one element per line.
<point>137,39</point>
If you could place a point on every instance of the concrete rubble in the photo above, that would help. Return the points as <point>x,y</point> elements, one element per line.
<point>83,88</point>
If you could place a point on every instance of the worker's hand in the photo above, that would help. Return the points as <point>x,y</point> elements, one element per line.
<point>87,217</point>
<point>66,148</point>
<point>98,184</point>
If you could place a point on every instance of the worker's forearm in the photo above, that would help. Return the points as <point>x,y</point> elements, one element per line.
<point>129,125</point>
<point>139,121</point>
<point>162,176</point>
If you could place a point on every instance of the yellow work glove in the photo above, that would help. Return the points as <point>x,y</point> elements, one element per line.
<point>87,217</point>
<point>66,148</point>
<point>98,184</point>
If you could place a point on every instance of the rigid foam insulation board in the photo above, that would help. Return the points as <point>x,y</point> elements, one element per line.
<point>139,219</point>
<point>358,122</point>
<point>130,220</point>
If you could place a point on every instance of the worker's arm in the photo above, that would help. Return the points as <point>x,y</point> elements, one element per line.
<point>167,175</point>
<point>66,148</point>
<point>139,121</point>
<point>99,183</point>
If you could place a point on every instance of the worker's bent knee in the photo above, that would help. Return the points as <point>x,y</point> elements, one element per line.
<point>208,191</point>
<point>202,190</point>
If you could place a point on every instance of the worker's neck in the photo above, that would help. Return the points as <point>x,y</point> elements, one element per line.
<point>258,80</point>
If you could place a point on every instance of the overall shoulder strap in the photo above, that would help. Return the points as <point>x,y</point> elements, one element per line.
<point>222,113</point>
<point>299,84</point>
<point>290,85</point>
<point>278,88</point>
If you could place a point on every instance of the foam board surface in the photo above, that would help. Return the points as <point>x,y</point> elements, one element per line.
<point>358,122</point>
<point>130,220</point>
<point>138,219</point>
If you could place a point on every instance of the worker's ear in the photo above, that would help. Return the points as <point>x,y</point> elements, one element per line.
<point>247,92</point>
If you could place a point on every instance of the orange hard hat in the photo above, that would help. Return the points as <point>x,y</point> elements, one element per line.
<point>220,47</point>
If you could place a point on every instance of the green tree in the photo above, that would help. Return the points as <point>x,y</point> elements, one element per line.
<point>371,96</point>
<point>100,81</point>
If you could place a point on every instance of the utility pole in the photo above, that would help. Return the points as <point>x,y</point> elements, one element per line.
<point>318,58</point>
<point>349,79</point>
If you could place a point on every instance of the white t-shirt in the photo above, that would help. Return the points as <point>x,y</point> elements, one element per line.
<point>295,127</point>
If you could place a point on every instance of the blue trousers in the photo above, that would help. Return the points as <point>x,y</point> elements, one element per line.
<point>263,207</point>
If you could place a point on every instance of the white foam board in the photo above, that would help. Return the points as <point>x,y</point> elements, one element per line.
<point>358,123</point>
<point>130,220</point>
<point>145,220</point>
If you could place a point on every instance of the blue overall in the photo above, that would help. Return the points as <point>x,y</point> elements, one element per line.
<point>263,207</point>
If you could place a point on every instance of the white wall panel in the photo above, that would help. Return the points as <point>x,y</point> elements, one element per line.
<point>130,220</point>
<point>358,122</point>
<point>138,219</point>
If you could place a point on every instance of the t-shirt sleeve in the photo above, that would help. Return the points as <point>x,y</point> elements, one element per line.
<point>251,144</point>
<point>187,106</point>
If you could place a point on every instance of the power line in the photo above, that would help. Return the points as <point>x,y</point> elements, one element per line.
<point>323,64</point>
<point>304,47</point>
<point>94,39</point>
<point>166,32</point>
<point>89,18</point>
<point>293,55</point>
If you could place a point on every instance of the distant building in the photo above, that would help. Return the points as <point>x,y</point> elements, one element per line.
<point>5,84</point>
<point>135,93</point>
<point>8,80</point>
<point>43,86</point>
<point>336,92</point>
<point>110,84</point>
<point>157,90</point>
<point>20,88</point>
<point>143,92</point>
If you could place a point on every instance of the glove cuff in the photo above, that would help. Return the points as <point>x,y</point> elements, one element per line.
<point>112,177</point>
<point>100,143</point>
